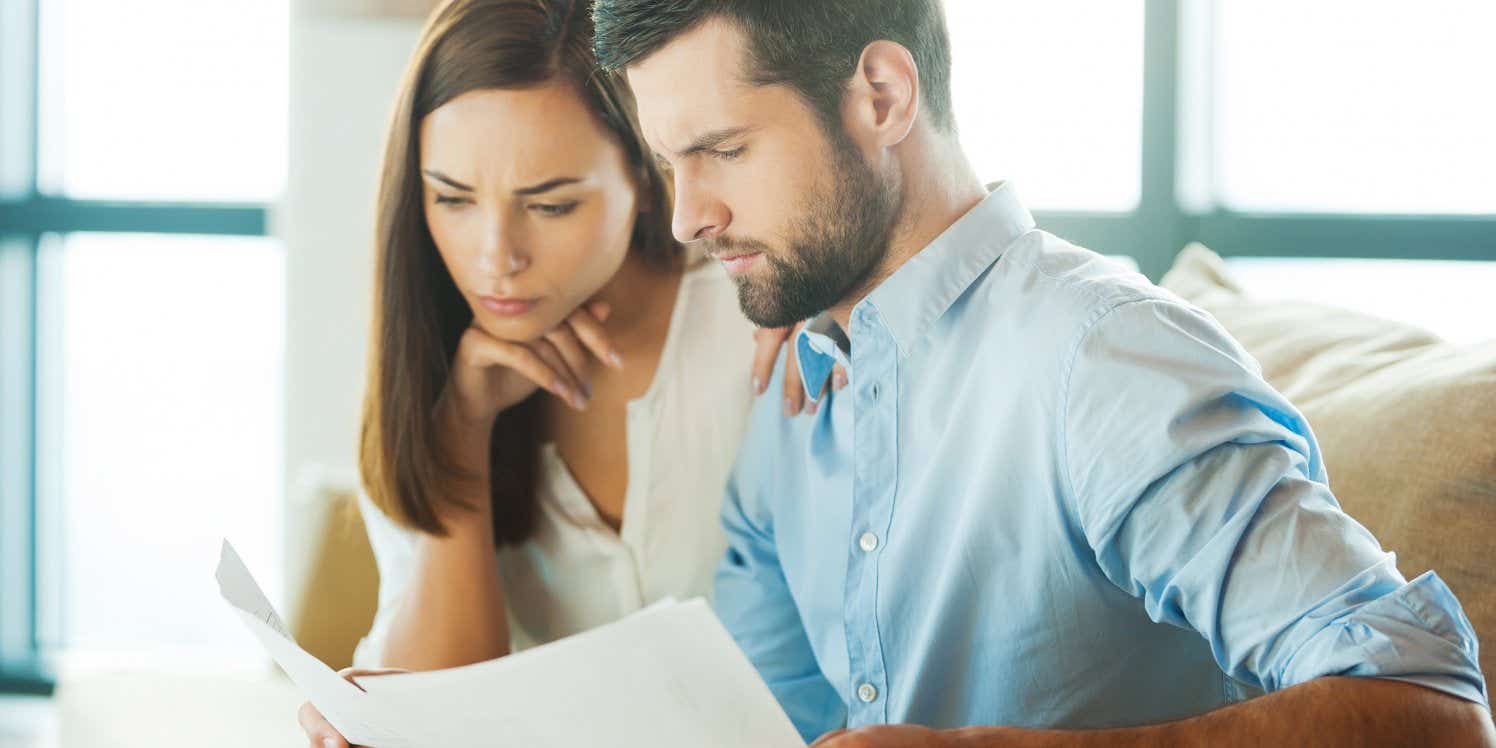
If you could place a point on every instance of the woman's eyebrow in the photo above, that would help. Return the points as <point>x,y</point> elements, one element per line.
<point>546,186</point>
<point>440,177</point>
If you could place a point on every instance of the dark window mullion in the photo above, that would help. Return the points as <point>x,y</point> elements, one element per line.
<point>20,664</point>
<point>1160,231</point>
<point>47,214</point>
<point>1350,236</point>
<point>20,668</point>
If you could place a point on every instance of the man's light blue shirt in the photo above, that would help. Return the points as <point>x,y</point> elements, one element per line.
<point>1053,495</point>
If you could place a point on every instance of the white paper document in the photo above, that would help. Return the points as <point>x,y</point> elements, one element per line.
<point>669,675</point>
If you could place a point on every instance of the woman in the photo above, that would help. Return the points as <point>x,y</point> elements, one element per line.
<point>553,399</point>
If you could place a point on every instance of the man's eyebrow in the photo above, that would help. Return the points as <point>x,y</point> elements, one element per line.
<point>440,177</point>
<point>713,139</point>
<point>546,186</point>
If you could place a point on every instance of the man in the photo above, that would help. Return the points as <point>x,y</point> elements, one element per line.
<point>1054,497</point>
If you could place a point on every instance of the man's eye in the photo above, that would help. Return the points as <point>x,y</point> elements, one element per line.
<point>730,155</point>
<point>554,209</point>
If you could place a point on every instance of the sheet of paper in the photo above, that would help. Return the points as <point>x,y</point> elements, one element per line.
<point>361,719</point>
<point>667,676</point>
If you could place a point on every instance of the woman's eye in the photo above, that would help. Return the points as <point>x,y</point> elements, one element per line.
<point>554,209</point>
<point>450,200</point>
<point>730,155</point>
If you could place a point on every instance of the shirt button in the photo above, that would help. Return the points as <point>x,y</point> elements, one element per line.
<point>874,392</point>
<point>868,542</point>
<point>867,693</point>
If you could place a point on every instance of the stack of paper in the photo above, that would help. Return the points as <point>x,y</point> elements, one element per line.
<point>666,676</point>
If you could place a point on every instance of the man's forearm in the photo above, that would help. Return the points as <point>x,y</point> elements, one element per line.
<point>1324,712</point>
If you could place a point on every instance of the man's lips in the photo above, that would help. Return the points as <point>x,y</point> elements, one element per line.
<point>739,262</point>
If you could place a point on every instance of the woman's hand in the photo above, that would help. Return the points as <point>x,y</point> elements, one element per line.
<point>490,375</point>
<point>319,732</point>
<point>769,341</point>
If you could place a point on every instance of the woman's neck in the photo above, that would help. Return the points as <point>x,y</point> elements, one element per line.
<point>641,299</point>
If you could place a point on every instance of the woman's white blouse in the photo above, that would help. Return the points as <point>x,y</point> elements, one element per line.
<point>683,434</point>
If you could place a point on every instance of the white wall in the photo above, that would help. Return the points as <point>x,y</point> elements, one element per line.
<point>343,76</point>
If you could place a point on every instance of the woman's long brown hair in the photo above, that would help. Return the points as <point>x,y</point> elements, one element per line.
<point>419,315</point>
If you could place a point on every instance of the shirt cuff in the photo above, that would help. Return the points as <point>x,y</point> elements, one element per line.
<point>1416,634</point>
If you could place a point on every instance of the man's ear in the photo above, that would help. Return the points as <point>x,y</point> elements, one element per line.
<point>882,102</point>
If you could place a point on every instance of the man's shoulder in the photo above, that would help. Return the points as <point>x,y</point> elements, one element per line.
<point>1043,296</point>
<point>1062,278</point>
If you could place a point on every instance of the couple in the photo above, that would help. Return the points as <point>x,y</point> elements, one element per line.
<point>1052,504</point>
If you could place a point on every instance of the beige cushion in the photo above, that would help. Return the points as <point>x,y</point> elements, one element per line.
<point>1407,423</point>
<point>337,602</point>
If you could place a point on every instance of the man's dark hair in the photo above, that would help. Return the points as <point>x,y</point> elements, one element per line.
<point>810,45</point>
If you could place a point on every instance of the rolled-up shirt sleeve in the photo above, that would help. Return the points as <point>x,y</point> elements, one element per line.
<point>1202,492</point>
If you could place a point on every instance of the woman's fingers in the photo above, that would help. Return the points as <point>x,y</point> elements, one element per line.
<point>319,732</point>
<point>767,341</point>
<point>587,324</point>
<point>794,388</point>
<point>489,351</point>
<point>838,378</point>
<point>557,364</point>
<point>573,354</point>
<point>599,309</point>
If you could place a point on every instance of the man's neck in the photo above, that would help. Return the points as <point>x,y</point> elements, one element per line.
<point>939,187</point>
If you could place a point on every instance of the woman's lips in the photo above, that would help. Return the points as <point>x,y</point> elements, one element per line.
<point>508,307</point>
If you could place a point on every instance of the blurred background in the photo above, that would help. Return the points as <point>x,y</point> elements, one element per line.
<point>186,192</point>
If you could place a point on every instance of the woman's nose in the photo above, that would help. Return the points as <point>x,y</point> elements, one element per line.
<point>513,263</point>
<point>502,255</point>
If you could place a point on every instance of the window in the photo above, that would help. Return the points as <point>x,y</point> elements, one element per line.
<point>1050,95</point>
<point>1449,299</point>
<point>163,362</point>
<point>1345,106</point>
<point>164,99</point>
<point>143,317</point>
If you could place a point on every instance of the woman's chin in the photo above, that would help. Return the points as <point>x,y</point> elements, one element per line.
<point>525,328</point>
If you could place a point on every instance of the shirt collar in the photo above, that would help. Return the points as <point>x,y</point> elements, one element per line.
<point>820,346</point>
<point>925,286</point>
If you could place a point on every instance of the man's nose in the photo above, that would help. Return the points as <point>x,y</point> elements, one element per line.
<point>699,213</point>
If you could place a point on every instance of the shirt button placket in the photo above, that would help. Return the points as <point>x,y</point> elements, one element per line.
<point>873,482</point>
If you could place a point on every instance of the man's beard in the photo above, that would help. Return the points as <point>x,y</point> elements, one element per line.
<point>833,248</point>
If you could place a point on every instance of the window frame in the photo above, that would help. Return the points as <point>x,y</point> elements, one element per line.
<point>27,219</point>
<point>1175,35</point>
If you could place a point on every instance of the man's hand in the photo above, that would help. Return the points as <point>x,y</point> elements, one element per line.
<point>885,736</point>
<point>1329,711</point>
